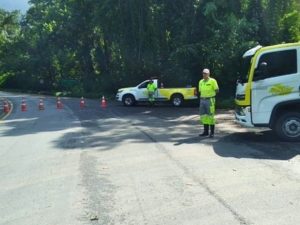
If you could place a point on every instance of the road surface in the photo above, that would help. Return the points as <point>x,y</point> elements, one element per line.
<point>141,166</point>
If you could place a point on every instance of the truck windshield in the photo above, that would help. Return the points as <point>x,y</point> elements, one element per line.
<point>143,85</point>
<point>245,68</point>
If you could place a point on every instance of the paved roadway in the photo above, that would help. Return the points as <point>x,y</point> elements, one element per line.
<point>141,165</point>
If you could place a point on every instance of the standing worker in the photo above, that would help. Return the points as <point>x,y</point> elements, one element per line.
<point>151,88</point>
<point>208,88</point>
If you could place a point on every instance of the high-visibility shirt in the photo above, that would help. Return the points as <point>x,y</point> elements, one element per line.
<point>151,87</point>
<point>207,88</point>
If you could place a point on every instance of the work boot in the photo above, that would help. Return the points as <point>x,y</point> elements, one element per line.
<point>205,132</point>
<point>212,131</point>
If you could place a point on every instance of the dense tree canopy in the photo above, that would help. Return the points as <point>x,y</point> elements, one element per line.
<point>92,46</point>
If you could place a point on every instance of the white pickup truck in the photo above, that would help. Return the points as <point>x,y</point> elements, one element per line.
<point>129,96</point>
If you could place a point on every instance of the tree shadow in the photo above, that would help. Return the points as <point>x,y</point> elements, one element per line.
<point>93,122</point>
<point>196,139</point>
<point>255,145</point>
<point>109,133</point>
<point>104,130</point>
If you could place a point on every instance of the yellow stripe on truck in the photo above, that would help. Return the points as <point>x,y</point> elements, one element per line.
<point>187,93</point>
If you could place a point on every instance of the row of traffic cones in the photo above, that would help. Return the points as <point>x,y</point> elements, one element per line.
<point>41,106</point>
<point>103,103</point>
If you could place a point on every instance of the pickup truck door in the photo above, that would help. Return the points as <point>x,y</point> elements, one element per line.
<point>141,91</point>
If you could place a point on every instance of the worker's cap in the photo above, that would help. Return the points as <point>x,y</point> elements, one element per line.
<point>206,71</point>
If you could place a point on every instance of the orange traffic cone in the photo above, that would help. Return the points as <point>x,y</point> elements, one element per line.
<point>5,107</point>
<point>59,104</point>
<point>103,102</point>
<point>41,104</point>
<point>82,103</point>
<point>23,105</point>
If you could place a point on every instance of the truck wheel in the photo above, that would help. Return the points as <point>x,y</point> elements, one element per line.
<point>128,100</point>
<point>177,100</point>
<point>287,126</point>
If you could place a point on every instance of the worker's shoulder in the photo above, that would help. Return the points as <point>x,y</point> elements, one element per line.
<point>209,80</point>
<point>213,80</point>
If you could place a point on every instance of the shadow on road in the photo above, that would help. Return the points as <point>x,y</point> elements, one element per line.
<point>256,145</point>
<point>98,133</point>
<point>106,129</point>
<point>190,140</point>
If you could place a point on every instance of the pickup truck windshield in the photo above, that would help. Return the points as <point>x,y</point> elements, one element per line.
<point>143,85</point>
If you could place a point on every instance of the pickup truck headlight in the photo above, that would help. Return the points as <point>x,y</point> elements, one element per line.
<point>119,91</point>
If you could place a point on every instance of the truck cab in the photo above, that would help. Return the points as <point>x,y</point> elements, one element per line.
<point>268,92</point>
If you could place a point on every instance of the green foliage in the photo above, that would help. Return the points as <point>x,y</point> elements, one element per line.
<point>100,46</point>
<point>225,103</point>
<point>3,79</point>
<point>290,26</point>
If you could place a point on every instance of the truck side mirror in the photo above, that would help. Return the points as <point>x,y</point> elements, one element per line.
<point>263,68</point>
<point>240,80</point>
<point>261,72</point>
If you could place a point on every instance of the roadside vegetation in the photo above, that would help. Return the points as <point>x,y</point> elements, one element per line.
<point>92,47</point>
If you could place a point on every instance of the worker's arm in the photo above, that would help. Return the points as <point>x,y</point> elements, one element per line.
<point>216,87</point>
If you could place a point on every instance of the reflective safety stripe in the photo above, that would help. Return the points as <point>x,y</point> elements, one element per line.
<point>151,96</point>
<point>209,119</point>
<point>212,105</point>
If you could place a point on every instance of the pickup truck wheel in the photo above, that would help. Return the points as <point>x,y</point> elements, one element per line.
<point>177,100</point>
<point>287,126</point>
<point>128,100</point>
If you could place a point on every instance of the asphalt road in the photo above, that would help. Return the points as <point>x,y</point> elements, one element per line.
<point>141,165</point>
